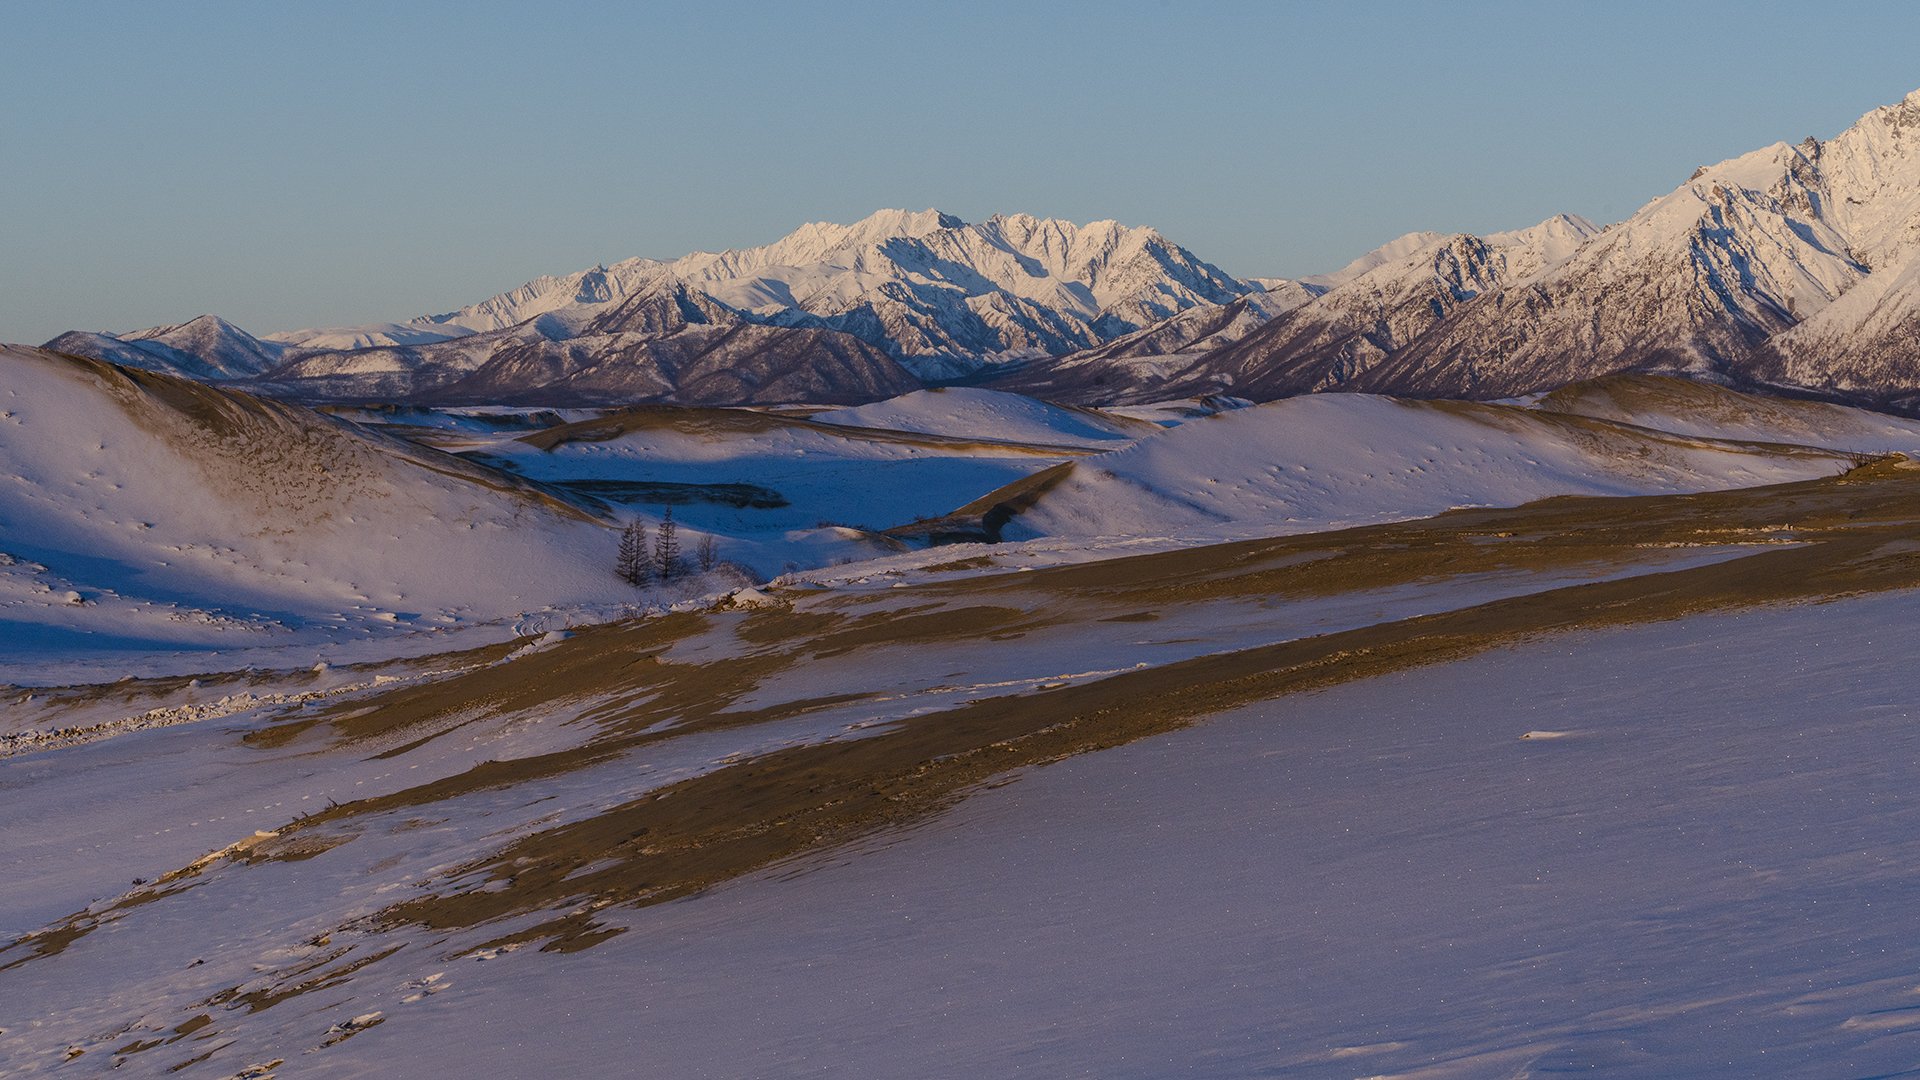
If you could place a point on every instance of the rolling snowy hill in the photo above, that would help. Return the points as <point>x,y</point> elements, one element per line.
<point>1325,461</point>
<point>145,511</point>
<point>963,412</point>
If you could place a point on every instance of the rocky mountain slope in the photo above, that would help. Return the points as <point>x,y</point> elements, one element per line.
<point>667,342</point>
<point>1155,363</point>
<point>1313,336</point>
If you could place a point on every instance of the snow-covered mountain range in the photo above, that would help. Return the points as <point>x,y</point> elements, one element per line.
<point>1794,266</point>
<point>829,313</point>
<point>926,287</point>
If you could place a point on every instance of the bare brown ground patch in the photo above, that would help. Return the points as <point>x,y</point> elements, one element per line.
<point>113,705</point>
<point>717,422</point>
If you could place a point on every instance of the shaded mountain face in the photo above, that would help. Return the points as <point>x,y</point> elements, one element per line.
<point>666,343</point>
<point>1166,360</point>
<point>1317,334</point>
<point>1406,290</point>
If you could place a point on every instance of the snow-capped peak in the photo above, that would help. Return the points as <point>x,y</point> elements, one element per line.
<point>917,283</point>
<point>1392,251</point>
<point>206,347</point>
<point>196,326</point>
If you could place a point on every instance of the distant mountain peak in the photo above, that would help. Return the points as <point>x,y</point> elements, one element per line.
<point>906,222</point>
<point>204,347</point>
<point>923,285</point>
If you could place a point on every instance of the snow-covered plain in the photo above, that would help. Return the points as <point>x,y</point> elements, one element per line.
<point>1709,869</point>
<point>1637,850</point>
<point>1543,858</point>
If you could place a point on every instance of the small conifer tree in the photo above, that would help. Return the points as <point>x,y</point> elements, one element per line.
<point>666,547</point>
<point>635,565</point>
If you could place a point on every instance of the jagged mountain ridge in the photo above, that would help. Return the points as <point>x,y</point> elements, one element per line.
<point>1391,298</point>
<point>1318,334</point>
<point>1156,363</point>
<point>1794,266</point>
<point>925,286</point>
<point>829,313</point>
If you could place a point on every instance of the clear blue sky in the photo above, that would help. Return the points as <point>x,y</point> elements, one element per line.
<point>291,165</point>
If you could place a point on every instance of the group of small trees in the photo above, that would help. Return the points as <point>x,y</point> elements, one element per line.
<point>645,558</point>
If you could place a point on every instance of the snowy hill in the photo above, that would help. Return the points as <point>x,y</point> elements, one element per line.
<point>1656,749</point>
<point>145,510</point>
<point>962,412</point>
<point>1324,461</point>
<point>1691,407</point>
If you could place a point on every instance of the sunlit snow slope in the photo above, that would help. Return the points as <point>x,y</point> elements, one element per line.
<point>1340,459</point>
<point>989,414</point>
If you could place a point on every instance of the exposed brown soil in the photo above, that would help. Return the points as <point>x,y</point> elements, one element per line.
<point>721,422</point>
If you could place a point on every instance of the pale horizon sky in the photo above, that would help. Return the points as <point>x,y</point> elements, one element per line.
<point>287,166</point>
